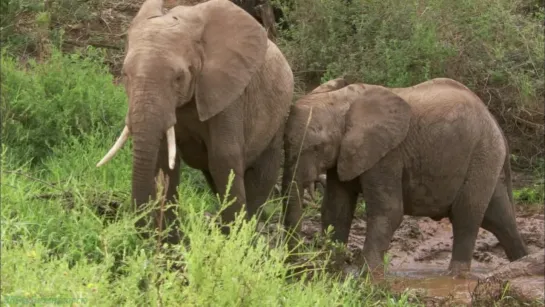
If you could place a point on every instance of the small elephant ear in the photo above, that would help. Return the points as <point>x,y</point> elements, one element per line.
<point>331,85</point>
<point>235,45</point>
<point>376,123</point>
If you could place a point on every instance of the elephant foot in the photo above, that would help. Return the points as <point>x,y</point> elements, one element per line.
<point>354,271</point>
<point>460,270</point>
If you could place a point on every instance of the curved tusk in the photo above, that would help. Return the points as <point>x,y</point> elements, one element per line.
<point>322,179</point>
<point>311,191</point>
<point>171,142</point>
<point>117,146</point>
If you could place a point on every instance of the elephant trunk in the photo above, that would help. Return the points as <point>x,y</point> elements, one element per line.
<point>148,123</point>
<point>148,127</point>
<point>146,142</point>
<point>292,189</point>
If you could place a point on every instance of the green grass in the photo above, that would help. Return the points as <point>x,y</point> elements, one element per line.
<point>55,245</point>
<point>59,117</point>
<point>45,104</point>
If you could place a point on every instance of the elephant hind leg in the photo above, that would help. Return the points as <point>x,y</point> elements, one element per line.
<point>468,211</point>
<point>260,178</point>
<point>500,220</point>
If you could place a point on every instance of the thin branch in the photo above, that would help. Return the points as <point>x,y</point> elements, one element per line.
<point>94,44</point>
<point>33,178</point>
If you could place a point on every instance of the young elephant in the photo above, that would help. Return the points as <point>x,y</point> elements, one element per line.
<point>428,150</point>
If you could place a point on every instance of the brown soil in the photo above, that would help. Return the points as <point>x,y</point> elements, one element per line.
<point>524,276</point>
<point>421,249</point>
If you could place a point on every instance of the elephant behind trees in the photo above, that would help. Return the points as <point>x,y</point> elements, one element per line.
<point>428,150</point>
<point>205,86</point>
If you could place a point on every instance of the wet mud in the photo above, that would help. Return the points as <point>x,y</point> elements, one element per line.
<point>420,252</point>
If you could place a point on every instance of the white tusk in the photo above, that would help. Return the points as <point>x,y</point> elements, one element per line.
<point>117,146</point>
<point>311,190</point>
<point>323,179</point>
<point>171,142</point>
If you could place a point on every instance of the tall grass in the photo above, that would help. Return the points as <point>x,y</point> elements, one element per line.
<point>45,104</point>
<point>59,245</point>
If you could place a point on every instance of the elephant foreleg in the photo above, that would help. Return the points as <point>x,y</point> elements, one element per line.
<point>260,178</point>
<point>383,195</point>
<point>170,193</point>
<point>338,206</point>
<point>220,168</point>
<point>210,181</point>
<point>225,148</point>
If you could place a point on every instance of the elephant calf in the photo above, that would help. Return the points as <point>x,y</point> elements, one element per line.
<point>428,150</point>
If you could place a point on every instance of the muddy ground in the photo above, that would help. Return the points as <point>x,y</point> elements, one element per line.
<point>421,250</point>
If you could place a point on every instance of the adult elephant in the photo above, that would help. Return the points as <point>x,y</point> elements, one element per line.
<point>428,150</point>
<point>205,86</point>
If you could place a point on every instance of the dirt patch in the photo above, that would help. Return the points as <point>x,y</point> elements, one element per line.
<point>521,280</point>
<point>421,250</point>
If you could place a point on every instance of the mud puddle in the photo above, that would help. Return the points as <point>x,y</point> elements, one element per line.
<point>421,249</point>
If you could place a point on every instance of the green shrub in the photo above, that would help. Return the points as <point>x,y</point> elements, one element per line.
<point>44,104</point>
<point>377,41</point>
<point>56,248</point>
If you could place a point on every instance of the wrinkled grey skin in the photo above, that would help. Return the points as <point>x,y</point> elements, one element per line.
<point>210,72</point>
<point>428,150</point>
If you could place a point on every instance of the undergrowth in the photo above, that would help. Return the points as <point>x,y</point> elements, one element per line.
<point>44,104</point>
<point>69,238</point>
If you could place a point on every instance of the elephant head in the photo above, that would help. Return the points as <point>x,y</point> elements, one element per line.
<point>339,126</point>
<point>204,54</point>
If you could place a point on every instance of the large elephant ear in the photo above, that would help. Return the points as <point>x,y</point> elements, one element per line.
<point>376,123</point>
<point>234,46</point>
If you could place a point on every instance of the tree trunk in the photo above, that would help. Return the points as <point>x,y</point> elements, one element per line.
<point>261,10</point>
<point>265,11</point>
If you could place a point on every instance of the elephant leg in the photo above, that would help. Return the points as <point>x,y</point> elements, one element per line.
<point>173,175</point>
<point>210,181</point>
<point>467,215</point>
<point>338,206</point>
<point>226,154</point>
<point>260,178</point>
<point>383,194</point>
<point>499,219</point>
<point>220,167</point>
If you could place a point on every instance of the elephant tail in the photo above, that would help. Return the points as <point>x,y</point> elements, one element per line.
<point>507,172</point>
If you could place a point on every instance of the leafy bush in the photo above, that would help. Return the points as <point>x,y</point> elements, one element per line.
<point>44,104</point>
<point>57,248</point>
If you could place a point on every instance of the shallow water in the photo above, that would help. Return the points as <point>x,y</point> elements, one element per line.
<point>433,282</point>
<point>421,249</point>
